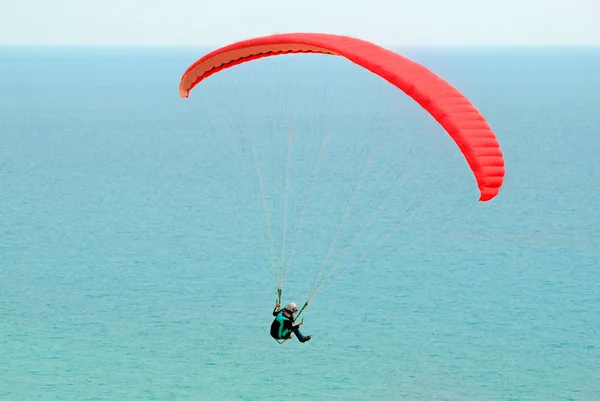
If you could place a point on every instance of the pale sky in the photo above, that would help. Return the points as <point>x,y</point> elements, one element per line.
<point>217,22</point>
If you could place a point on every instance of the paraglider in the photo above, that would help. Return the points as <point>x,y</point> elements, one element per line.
<point>283,325</point>
<point>451,109</point>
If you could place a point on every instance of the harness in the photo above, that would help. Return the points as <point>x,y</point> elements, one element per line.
<point>283,334</point>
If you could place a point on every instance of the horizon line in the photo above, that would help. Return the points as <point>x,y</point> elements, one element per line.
<point>414,45</point>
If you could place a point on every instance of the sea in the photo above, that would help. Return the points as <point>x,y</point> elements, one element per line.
<point>143,236</point>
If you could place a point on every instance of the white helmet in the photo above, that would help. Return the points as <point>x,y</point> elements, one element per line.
<point>291,307</point>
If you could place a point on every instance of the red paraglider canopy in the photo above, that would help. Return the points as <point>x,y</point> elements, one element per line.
<point>452,110</point>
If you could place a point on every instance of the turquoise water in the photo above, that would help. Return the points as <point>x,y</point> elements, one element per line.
<point>134,258</point>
